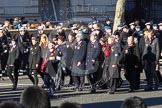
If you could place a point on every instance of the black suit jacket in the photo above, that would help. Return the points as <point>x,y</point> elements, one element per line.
<point>13,58</point>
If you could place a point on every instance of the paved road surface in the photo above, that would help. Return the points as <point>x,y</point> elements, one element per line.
<point>98,100</point>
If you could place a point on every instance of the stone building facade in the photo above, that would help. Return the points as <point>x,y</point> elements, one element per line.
<point>78,10</point>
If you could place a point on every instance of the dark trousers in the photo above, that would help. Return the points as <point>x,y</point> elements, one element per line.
<point>112,86</point>
<point>137,80</point>
<point>49,82</point>
<point>130,75</point>
<point>13,78</point>
<point>150,70</point>
<point>91,79</point>
<point>78,81</point>
<point>35,78</point>
<point>59,77</point>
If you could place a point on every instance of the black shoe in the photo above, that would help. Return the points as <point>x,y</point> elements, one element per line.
<point>80,89</point>
<point>131,90</point>
<point>156,88</point>
<point>148,89</point>
<point>58,88</point>
<point>1,79</point>
<point>14,87</point>
<point>111,92</point>
<point>119,83</point>
<point>44,86</point>
<point>93,91</point>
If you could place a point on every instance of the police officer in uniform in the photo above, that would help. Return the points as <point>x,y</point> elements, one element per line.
<point>13,63</point>
<point>34,60</point>
<point>92,57</point>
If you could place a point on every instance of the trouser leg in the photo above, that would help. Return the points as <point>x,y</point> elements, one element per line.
<point>91,80</point>
<point>30,76</point>
<point>81,85</point>
<point>16,74</point>
<point>76,81</point>
<point>154,75</point>
<point>112,84</point>
<point>46,79</point>
<point>35,77</point>
<point>131,77</point>
<point>9,73</point>
<point>149,77</point>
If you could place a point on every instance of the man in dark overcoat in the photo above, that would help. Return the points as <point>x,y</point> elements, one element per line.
<point>92,57</point>
<point>113,66</point>
<point>150,60</point>
<point>13,63</point>
<point>130,58</point>
<point>78,67</point>
<point>23,43</point>
<point>4,50</point>
<point>70,47</point>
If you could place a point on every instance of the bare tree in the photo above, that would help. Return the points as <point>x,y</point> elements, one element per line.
<point>119,13</point>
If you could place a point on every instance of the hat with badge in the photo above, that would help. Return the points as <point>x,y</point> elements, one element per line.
<point>120,25</point>
<point>138,27</point>
<point>107,27</point>
<point>1,28</point>
<point>21,29</point>
<point>59,27</point>
<point>40,28</point>
<point>79,35</point>
<point>75,27</point>
<point>94,18</point>
<point>160,24</point>
<point>148,23</point>
<point>125,26</point>
<point>140,32</point>
<point>154,25</point>
<point>93,34</point>
<point>132,23</point>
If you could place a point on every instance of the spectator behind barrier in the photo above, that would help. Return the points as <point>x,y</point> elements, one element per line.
<point>35,97</point>
<point>70,105</point>
<point>134,102</point>
<point>10,104</point>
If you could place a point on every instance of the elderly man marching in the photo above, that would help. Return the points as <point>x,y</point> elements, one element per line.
<point>113,65</point>
<point>92,63</point>
<point>78,67</point>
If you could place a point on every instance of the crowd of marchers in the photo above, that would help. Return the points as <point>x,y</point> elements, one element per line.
<point>89,51</point>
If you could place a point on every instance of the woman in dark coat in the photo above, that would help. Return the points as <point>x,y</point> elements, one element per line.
<point>106,63</point>
<point>49,68</point>
<point>78,67</point>
<point>34,61</point>
<point>13,63</point>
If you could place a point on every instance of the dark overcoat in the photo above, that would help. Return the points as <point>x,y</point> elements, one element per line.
<point>114,56</point>
<point>34,57</point>
<point>93,52</point>
<point>79,56</point>
<point>13,58</point>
